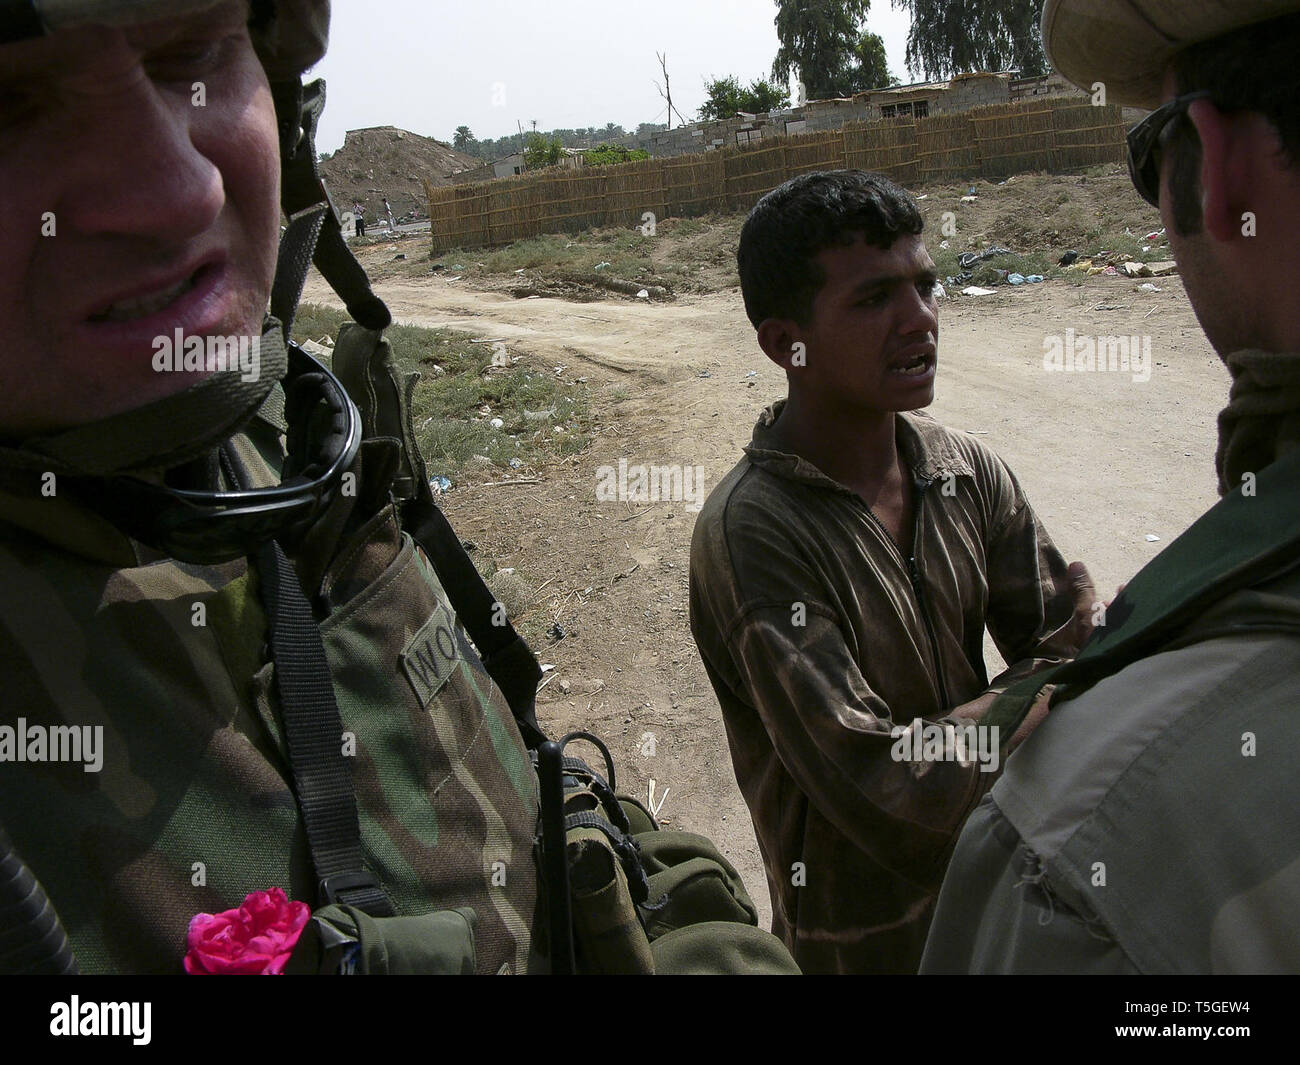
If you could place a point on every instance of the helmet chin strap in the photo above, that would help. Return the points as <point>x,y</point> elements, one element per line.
<point>165,433</point>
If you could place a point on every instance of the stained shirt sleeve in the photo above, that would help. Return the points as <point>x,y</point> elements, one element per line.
<point>1031,601</point>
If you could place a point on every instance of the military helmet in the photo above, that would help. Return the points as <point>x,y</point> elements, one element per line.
<point>290,35</point>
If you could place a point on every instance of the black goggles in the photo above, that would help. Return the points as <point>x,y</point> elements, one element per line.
<point>1146,143</point>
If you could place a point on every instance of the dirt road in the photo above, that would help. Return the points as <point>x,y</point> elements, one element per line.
<point>1106,460</point>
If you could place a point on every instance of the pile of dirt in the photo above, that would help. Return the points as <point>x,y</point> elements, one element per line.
<point>387,161</point>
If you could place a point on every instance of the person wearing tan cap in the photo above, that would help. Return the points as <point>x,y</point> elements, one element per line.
<point>1151,823</point>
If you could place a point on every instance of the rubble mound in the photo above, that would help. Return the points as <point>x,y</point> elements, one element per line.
<point>387,161</point>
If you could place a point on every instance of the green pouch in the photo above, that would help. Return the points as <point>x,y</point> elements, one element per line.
<point>342,940</point>
<point>717,947</point>
<point>690,883</point>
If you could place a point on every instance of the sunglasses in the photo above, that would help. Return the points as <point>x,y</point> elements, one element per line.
<point>1146,142</point>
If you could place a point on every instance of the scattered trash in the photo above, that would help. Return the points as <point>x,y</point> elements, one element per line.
<point>556,632</point>
<point>1015,279</point>
<point>970,258</point>
<point>520,270</point>
<point>401,256</point>
<point>1136,269</point>
<point>456,278</point>
<point>1148,287</point>
<point>1068,258</point>
<point>975,290</point>
<point>924,196</point>
<point>439,485</point>
<point>969,199</point>
<point>961,278</point>
<point>1161,269</point>
<point>497,423</point>
<point>978,432</point>
<point>515,463</point>
<point>600,266</point>
<point>458,266</point>
<point>943,244</point>
<point>539,415</point>
<point>436,267</point>
<point>312,348</point>
<point>1153,237</point>
<point>1146,248</point>
<point>1035,279</point>
<point>971,191</point>
<point>644,294</point>
<point>940,293</point>
<point>565,687</point>
<point>752,373</point>
<point>1151,538</point>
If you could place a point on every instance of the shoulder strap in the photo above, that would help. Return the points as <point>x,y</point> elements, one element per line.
<point>363,364</point>
<point>1240,542</point>
<point>313,730</point>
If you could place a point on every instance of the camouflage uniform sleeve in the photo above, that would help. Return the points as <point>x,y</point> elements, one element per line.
<point>1030,602</point>
<point>832,734</point>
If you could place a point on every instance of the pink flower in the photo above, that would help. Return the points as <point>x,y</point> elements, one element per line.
<point>254,940</point>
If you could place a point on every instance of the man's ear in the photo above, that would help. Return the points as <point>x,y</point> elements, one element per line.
<point>780,340</point>
<point>1226,182</point>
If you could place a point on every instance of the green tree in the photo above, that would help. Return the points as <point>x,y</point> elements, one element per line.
<point>463,140</point>
<point>824,41</point>
<point>606,154</point>
<point>872,70</point>
<point>540,151</point>
<point>725,96</point>
<point>953,36</point>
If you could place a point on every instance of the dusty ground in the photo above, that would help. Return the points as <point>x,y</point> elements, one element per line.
<point>1106,462</point>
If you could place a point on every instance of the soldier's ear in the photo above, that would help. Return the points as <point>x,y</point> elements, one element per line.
<point>1227,160</point>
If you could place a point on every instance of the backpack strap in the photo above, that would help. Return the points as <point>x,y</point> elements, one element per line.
<point>1239,542</point>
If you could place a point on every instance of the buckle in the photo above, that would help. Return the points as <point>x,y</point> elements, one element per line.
<point>332,887</point>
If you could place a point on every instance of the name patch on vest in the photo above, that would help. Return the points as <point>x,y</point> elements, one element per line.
<point>431,656</point>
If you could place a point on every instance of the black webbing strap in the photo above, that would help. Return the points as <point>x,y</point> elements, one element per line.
<point>313,729</point>
<point>303,187</point>
<point>624,846</point>
<point>505,655</point>
<point>297,244</point>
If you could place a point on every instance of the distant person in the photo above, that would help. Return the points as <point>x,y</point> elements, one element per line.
<point>1151,823</point>
<point>843,574</point>
<point>388,214</point>
<point>359,214</point>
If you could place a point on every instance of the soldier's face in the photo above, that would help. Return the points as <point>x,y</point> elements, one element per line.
<point>140,178</point>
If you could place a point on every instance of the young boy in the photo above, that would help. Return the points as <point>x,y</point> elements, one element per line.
<point>842,576</point>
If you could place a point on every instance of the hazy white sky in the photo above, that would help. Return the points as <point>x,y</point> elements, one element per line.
<point>432,65</point>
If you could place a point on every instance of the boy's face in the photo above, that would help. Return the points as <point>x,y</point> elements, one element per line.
<point>873,336</point>
<point>140,170</point>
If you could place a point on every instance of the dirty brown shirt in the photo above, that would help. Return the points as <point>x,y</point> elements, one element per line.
<point>818,641</point>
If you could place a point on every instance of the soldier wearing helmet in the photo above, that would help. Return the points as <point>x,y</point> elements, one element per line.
<point>228,665</point>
